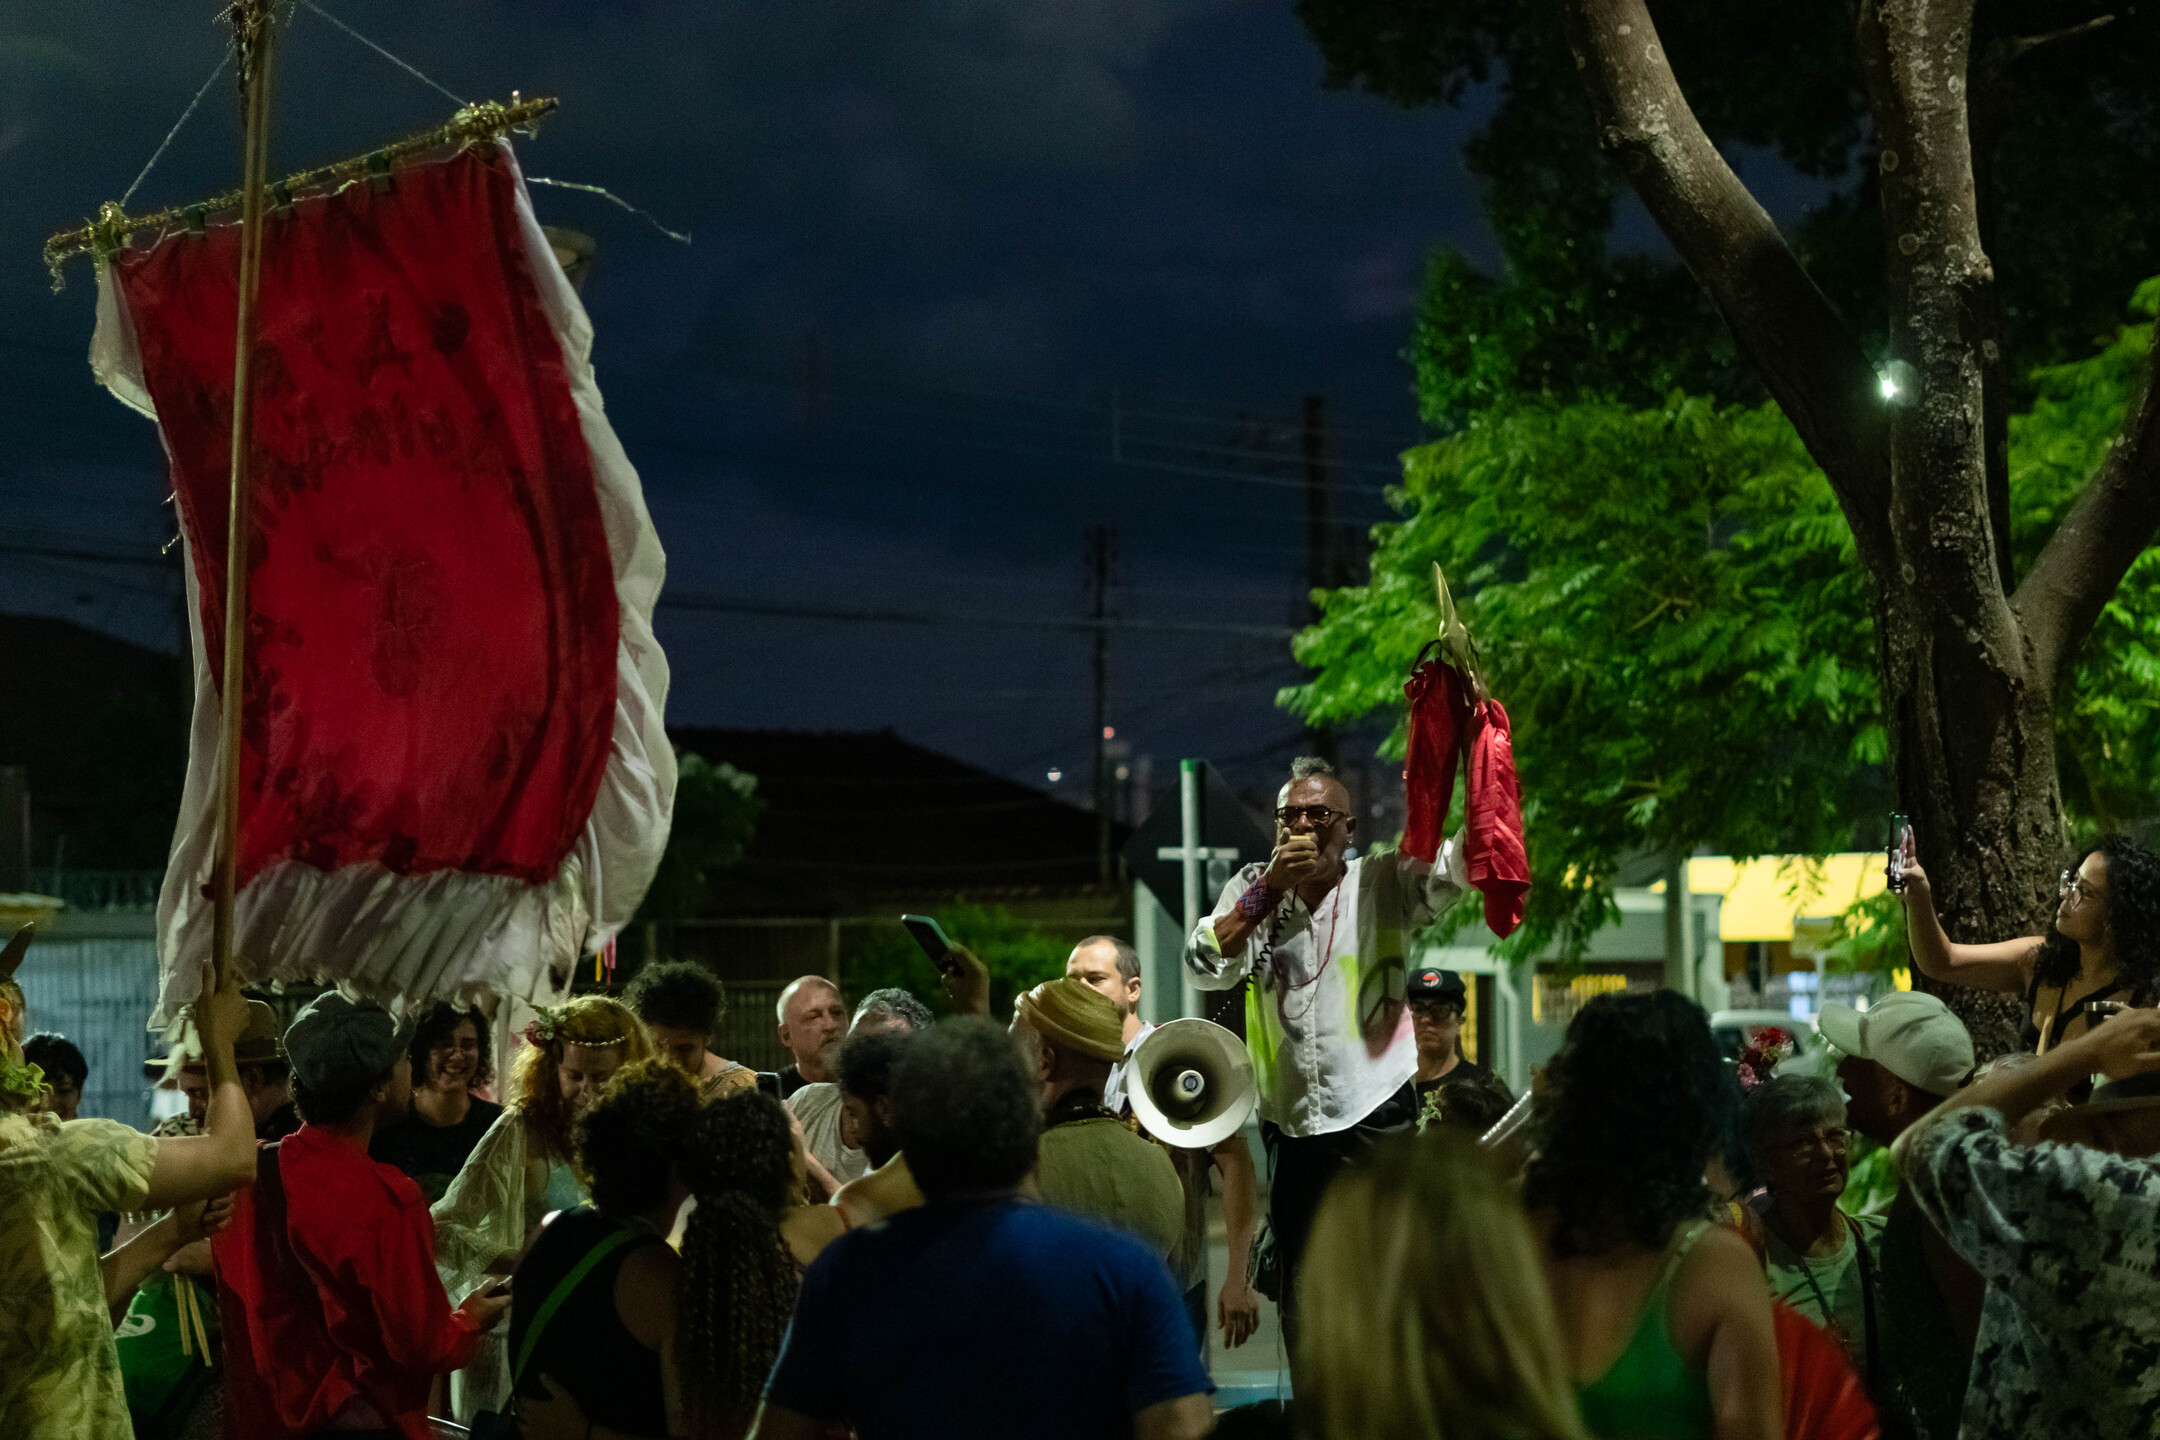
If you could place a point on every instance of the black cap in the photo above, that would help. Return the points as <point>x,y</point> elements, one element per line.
<point>1429,983</point>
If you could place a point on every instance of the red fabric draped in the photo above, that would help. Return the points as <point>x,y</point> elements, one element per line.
<point>1493,843</point>
<point>1439,723</point>
<point>1443,727</point>
<point>432,613</point>
<point>1823,1398</point>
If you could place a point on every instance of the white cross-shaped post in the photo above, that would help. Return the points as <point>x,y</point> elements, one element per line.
<point>1191,853</point>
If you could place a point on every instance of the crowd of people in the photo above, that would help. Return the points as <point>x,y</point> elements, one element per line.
<point>958,1227</point>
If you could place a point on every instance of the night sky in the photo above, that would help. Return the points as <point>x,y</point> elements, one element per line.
<point>943,250</point>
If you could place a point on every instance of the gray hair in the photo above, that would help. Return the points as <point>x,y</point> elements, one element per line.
<point>892,1004</point>
<point>1305,767</point>
<point>1128,959</point>
<point>780,1009</point>
<point>1788,1104</point>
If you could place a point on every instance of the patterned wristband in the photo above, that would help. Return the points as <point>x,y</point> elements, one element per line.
<point>1257,900</point>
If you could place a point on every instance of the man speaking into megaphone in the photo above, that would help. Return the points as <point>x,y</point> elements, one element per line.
<point>1320,940</point>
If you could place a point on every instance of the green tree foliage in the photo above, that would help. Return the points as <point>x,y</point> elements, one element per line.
<point>1669,603</point>
<point>2108,719</point>
<point>716,811</point>
<point>1670,607</point>
<point>1020,955</point>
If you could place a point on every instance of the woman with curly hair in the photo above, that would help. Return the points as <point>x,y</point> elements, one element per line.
<point>1664,1316</point>
<point>2104,944</point>
<point>598,1362</point>
<point>450,1060</point>
<point>523,1168</point>
<point>749,1237</point>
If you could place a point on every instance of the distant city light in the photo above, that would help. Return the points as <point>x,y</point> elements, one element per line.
<point>1109,732</point>
<point>1056,775</point>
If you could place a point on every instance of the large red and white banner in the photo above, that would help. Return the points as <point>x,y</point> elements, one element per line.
<point>453,774</point>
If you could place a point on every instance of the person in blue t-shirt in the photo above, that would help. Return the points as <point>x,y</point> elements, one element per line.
<point>982,1314</point>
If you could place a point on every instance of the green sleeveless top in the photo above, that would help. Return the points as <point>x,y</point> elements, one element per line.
<point>1650,1393</point>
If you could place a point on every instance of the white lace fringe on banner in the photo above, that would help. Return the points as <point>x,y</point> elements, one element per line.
<point>410,940</point>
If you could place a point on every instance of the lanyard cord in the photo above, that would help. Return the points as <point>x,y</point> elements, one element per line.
<point>1867,1285</point>
<point>1327,957</point>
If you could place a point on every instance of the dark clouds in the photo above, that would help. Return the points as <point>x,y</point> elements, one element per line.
<point>933,238</point>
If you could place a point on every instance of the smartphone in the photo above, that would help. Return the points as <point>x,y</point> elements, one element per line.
<point>1900,839</point>
<point>933,939</point>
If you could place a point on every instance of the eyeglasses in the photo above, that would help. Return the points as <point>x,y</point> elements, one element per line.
<point>1320,815</point>
<point>1438,1009</point>
<point>2074,885</point>
<point>1837,1137</point>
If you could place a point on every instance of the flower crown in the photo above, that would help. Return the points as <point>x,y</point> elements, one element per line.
<point>547,1029</point>
<point>1761,1059</point>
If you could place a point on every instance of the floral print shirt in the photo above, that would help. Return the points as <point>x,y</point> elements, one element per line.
<point>59,1370</point>
<point>2066,1237</point>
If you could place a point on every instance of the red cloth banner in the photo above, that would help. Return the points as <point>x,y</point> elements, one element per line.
<point>1494,855</point>
<point>1444,727</point>
<point>1439,724</point>
<point>432,610</point>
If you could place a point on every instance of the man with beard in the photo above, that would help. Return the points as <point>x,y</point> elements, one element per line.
<point>813,1019</point>
<point>867,1062</point>
<point>818,1106</point>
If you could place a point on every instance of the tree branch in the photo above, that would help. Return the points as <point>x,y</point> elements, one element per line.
<point>1788,330</point>
<point>2004,53</point>
<point>2112,521</point>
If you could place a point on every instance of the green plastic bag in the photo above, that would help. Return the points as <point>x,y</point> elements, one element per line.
<point>166,1377</point>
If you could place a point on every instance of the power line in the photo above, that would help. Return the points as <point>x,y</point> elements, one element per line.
<point>730,605</point>
<point>734,605</point>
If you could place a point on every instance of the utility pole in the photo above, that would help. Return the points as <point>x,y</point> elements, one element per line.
<point>1101,542</point>
<point>1323,570</point>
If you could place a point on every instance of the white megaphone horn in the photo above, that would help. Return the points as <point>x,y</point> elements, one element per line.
<point>1191,1084</point>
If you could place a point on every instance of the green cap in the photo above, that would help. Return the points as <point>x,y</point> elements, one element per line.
<point>334,1042</point>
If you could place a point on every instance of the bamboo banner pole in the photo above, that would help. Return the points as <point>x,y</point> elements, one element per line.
<point>255,32</point>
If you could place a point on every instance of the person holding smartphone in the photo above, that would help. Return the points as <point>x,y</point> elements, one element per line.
<point>2103,946</point>
<point>1319,938</point>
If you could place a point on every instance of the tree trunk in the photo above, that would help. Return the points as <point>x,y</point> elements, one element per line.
<point>1971,723</point>
<point>1970,658</point>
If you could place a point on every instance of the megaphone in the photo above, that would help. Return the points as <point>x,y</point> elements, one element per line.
<point>1191,1084</point>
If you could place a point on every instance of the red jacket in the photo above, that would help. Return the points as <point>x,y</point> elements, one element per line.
<point>330,1260</point>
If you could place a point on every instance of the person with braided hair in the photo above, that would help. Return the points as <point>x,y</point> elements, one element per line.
<point>748,1242</point>
<point>523,1168</point>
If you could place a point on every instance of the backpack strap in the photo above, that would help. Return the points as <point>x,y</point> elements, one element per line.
<point>564,1289</point>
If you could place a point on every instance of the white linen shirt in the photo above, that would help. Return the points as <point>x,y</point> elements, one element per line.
<point>1325,1017</point>
<point>1113,1090</point>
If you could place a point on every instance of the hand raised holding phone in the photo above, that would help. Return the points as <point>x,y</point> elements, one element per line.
<point>965,978</point>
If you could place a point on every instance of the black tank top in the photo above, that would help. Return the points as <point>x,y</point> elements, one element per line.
<point>585,1348</point>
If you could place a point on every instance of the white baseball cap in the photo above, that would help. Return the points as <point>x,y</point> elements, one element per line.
<point>1912,1035</point>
